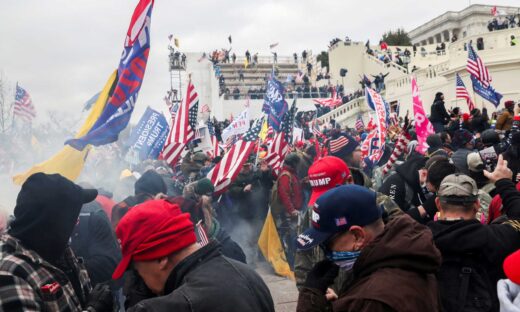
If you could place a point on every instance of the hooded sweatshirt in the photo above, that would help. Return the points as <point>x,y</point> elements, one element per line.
<point>487,244</point>
<point>406,179</point>
<point>401,260</point>
<point>45,214</point>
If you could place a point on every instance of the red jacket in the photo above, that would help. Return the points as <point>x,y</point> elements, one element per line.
<point>290,190</point>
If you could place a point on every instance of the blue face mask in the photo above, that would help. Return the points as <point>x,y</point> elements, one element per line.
<point>344,259</point>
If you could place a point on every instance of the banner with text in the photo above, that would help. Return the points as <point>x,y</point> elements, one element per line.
<point>147,138</point>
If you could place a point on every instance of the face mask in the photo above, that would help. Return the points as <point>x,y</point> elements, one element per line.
<point>344,259</point>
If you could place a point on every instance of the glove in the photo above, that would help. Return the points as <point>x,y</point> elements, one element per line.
<point>100,299</point>
<point>322,275</point>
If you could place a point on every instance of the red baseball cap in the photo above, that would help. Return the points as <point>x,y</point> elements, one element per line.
<point>152,230</point>
<point>326,173</point>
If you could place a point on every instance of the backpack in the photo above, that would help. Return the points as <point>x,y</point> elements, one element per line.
<point>464,284</point>
<point>409,192</point>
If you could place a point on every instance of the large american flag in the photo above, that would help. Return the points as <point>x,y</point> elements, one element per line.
<point>214,142</point>
<point>226,171</point>
<point>280,145</point>
<point>23,106</point>
<point>476,67</point>
<point>183,126</point>
<point>462,93</point>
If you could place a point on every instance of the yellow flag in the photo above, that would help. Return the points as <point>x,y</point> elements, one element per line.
<point>69,161</point>
<point>271,247</point>
<point>246,63</point>
<point>263,132</point>
<point>176,42</point>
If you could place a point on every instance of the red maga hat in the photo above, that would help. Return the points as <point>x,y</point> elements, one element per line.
<point>152,230</point>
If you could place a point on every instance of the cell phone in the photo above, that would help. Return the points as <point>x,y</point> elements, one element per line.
<point>489,158</point>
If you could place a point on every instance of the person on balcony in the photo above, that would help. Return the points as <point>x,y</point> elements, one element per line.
<point>438,115</point>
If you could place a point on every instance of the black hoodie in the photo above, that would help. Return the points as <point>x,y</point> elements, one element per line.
<point>438,111</point>
<point>404,186</point>
<point>489,243</point>
<point>47,209</point>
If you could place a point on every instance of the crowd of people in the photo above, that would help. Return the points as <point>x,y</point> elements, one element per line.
<point>433,231</point>
<point>510,21</point>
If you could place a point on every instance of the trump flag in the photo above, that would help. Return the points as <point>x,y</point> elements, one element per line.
<point>130,74</point>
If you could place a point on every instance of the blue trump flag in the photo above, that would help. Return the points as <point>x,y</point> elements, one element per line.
<point>130,74</point>
<point>274,103</point>
<point>148,137</point>
<point>487,93</point>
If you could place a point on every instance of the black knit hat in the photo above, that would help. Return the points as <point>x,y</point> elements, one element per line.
<point>150,183</point>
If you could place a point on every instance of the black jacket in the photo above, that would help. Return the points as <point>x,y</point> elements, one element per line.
<point>94,241</point>
<point>489,243</point>
<point>439,113</point>
<point>479,123</point>
<point>404,186</point>
<point>208,281</point>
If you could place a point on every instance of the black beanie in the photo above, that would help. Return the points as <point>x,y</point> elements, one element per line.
<point>150,183</point>
<point>434,142</point>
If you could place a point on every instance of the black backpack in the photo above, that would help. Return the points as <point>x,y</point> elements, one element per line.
<point>465,285</point>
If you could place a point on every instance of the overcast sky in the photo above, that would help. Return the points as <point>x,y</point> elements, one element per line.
<point>63,51</point>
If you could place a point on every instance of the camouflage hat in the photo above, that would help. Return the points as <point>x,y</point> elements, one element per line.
<point>458,188</point>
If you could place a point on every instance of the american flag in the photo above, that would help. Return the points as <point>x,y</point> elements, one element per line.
<point>172,108</point>
<point>360,125</point>
<point>462,93</point>
<point>214,142</point>
<point>200,233</point>
<point>226,171</point>
<point>231,141</point>
<point>182,126</point>
<point>23,106</point>
<point>316,129</point>
<point>336,145</point>
<point>333,101</point>
<point>269,136</point>
<point>280,146</point>
<point>476,67</point>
